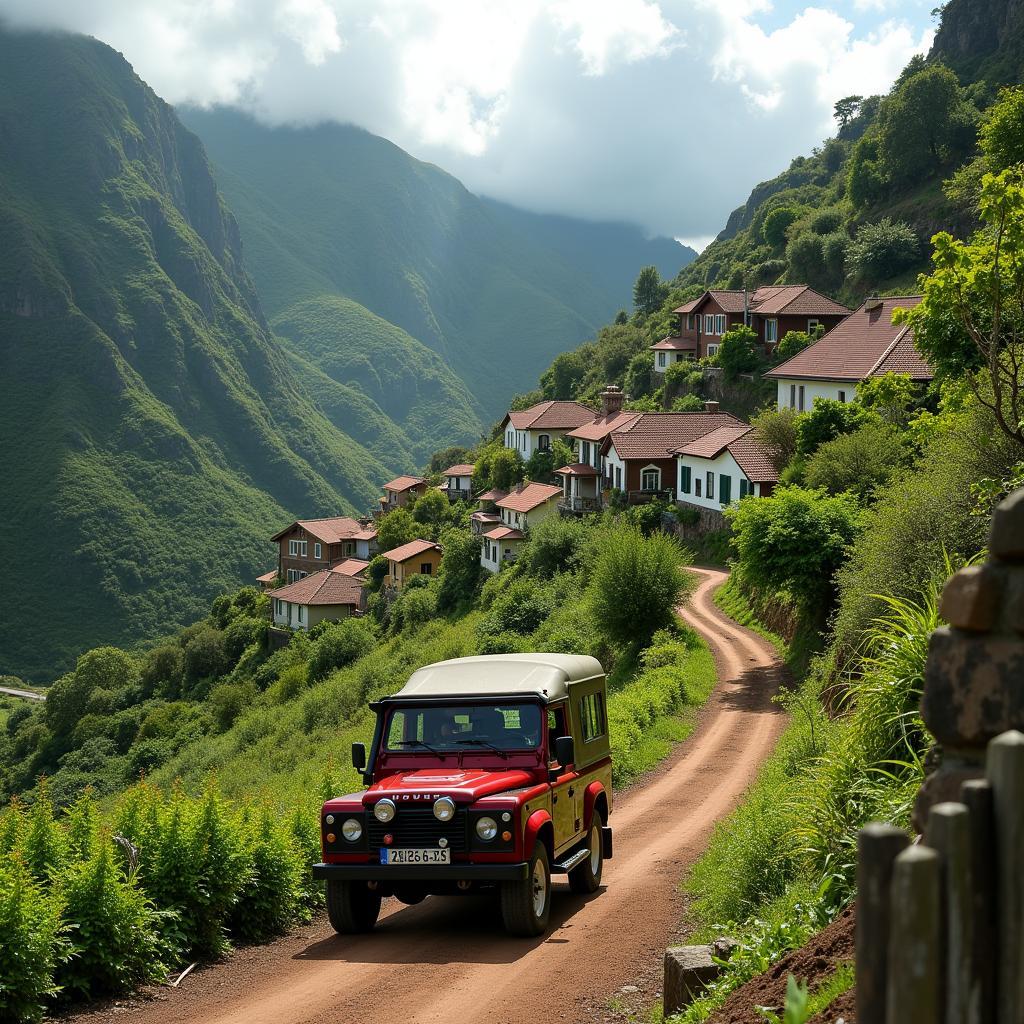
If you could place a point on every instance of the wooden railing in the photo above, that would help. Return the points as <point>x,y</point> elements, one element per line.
<point>580,504</point>
<point>940,924</point>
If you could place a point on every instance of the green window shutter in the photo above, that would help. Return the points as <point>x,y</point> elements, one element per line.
<point>684,479</point>
<point>743,487</point>
<point>724,488</point>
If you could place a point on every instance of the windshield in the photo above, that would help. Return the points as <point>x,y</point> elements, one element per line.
<point>464,727</point>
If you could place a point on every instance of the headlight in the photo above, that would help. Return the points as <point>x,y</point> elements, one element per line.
<point>486,829</point>
<point>384,810</point>
<point>329,819</point>
<point>444,809</point>
<point>352,829</point>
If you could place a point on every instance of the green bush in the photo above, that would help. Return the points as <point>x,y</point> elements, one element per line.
<point>739,352</point>
<point>828,419</point>
<point>396,528</point>
<point>857,462</point>
<point>205,657</point>
<point>805,255</point>
<point>776,224</point>
<point>688,403</point>
<point>825,221</point>
<point>557,545</point>
<point>227,701</point>
<point>792,342</point>
<point>519,607</point>
<point>339,645</point>
<point>242,633</point>
<point>461,573</point>
<point>883,250</point>
<point>162,670</point>
<point>414,606</point>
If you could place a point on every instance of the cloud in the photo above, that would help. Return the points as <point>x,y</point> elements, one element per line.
<point>660,112</point>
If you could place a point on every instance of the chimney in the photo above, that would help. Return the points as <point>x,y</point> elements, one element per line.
<point>871,303</point>
<point>611,400</point>
<point>710,406</point>
<point>520,486</point>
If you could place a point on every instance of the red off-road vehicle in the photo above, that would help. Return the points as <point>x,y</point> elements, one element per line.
<point>483,772</point>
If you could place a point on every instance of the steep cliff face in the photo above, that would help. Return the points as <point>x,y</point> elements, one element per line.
<point>982,39</point>
<point>154,431</point>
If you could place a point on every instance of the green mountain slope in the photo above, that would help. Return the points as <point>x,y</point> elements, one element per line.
<point>335,211</point>
<point>154,431</point>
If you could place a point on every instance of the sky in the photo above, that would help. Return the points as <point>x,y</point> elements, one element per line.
<point>660,113</point>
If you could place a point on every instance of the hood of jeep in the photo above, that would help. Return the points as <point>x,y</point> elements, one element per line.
<point>463,785</point>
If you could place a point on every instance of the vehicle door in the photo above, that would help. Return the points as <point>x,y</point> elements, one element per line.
<point>564,802</point>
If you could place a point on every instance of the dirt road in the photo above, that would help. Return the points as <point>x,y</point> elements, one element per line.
<point>448,959</point>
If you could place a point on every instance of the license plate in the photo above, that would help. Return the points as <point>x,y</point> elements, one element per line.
<point>390,856</point>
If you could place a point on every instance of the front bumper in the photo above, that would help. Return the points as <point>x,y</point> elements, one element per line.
<point>422,872</point>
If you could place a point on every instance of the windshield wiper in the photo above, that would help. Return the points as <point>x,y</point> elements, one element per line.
<point>483,743</point>
<point>420,743</point>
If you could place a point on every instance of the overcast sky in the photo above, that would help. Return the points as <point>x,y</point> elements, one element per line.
<point>663,113</point>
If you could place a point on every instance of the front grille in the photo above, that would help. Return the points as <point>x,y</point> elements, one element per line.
<point>416,827</point>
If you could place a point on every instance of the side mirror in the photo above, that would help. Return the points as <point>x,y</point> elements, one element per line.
<point>565,751</point>
<point>359,756</point>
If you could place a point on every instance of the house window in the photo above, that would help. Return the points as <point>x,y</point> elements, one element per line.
<point>689,321</point>
<point>543,442</point>
<point>801,393</point>
<point>696,323</point>
<point>771,332</point>
<point>744,488</point>
<point>712,350</point>
<point>293,575</point>
<point>592,716</point>
<point>618,477</point>
<point>719,323</point>
<point>711,485</point>
<point>792,396</point>
<point>293,547</point>
<point>661,360</point>
<point>724,488</point>
<point>696,488</point>
<point>685,479</point>
<point>585,451</point>
<point>709,324</point>
<point>317,552</point>
<point>650,479</point>
<point>302,614</point>
<point>426,568</point>
<point>812,327</point>
<point>842,396</point>
<point>510,440</point>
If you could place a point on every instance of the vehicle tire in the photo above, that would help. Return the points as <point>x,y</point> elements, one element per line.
<point>351,907</point>
<point>410,897</point>
<point>526,905</point>
<point>587,877</point>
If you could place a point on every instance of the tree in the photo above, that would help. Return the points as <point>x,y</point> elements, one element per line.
<point>460,574</point>
<point>828,419</point>
<point>635,584</point>
<point>882,250</point>
<point>777,428</point>
<point>556,546</point>
<point>867,181</point>
<point>972,315</point>
<point>1002,134</point>
<point>498,466</point>
<point>776,223</point>
<point>792,342</point>
<point>339,645</point>
<point>562,379</point>
<point>451,456</point>
<point>891,395</point>
<point>396,528</point>
<point>846,109</point>
<point>107,668</point>
<point>649,291</point>
<point>688,403</point>
<point>805,255</point>
<point>794,540</point>
<point>739,352</point>
<point>857,462</point>
<point>637,381</point>
<point>431,512</point>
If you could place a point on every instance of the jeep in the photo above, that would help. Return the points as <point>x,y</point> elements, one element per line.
<point>483,773</point>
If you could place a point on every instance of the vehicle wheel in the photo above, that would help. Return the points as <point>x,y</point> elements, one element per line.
<point>526,905</point>
<point>587,877</point>
<point>410,897</point>
<point>351,907</point>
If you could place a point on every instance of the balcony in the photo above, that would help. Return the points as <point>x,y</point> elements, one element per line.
<point>579,506</point>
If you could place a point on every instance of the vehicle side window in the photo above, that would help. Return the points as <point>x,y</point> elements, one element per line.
<point>556,727</point>
<point>592,716</point>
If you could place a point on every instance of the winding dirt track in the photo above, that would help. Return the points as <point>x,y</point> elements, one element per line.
<point>448,959</point>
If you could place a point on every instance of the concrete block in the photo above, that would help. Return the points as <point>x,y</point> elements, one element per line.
<point>688,971</point>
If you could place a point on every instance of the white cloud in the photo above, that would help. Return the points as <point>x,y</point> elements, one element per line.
<point>660,112</point>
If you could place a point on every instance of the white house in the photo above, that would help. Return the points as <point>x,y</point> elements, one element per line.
<point>724,466</point>
<point>366,543</point>
<point>522,508</point>
<point>458,482</point>
<point>590,437</point>
<point>866,344</point>
<point>327,595</point>
<point>531,430</point>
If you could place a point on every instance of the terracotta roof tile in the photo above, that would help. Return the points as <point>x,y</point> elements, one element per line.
<point>530,497</point>
<point>329,531</point>
<point>754,457</point>
<point>506,533</point>
<point>406,551</point>
<point>267,577</point>
<point>771,300</point>
<point>351,567</point>
<point>367,533</point>
<point>494,494</point>
<point>710,445</point>
<point>325,587</point>
<point>867,343</point>
<point>577,469</point>
<point>551,416</point>
<point>462,469</point>
<point>403,483</point>
<point>656,435</point>
<point>600,428</point>
<point>674,344</point>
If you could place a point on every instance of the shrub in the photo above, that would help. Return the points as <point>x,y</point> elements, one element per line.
<point>415,606</point>
<point>778,428</point>
<point>227,701</point>
<point>377,571</point>
<point>32,945</point>
<point>113,930</point>
<point>739,352</point>
<point>776,224</point>
<point>858,461</point>
<point>520,607</point>
<point>162,670</point>
<point>794,540</point>
<point>792,342</point>
<point>43,846</point>
<point>556,546</point>
<point>883,250</point>
<point>431,511</point>
<point>635,584</point>
<point>340,645</point>
<point>205,656</point>
<point>396,528</point>
<point>824,222</point>
<point>688,403</point>
<point>806,256</point>
<point>241,634</point>
<point>827,420</point>
<point>460,573</point>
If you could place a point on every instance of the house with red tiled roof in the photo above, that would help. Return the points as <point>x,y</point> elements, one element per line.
<point>402,491</point>
<point>352,567</point>
<point>531,430</point>
<point>487,517</point>
<point>458,482</point>
<point>366,543</point>
<point>724,466</point>
<point>526,505</point>
<point>866,344</point>
<point>417,558</point>
<point>640,458</point>
<point>772,311</point>
<point>311,545</point>
<point>326,595</point>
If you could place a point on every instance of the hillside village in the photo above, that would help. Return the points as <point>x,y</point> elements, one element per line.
<point>699,462</point>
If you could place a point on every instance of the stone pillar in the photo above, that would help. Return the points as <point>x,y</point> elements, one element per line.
<point>974,678</point>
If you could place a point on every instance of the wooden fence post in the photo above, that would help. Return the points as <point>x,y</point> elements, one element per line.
<point>914,989</point>
<point>977,796</point>
<point>877,847</point>
<point>1005,770</point>
<point>948,834</point>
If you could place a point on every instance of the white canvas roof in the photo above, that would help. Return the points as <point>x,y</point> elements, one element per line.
<point>543,675</point>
